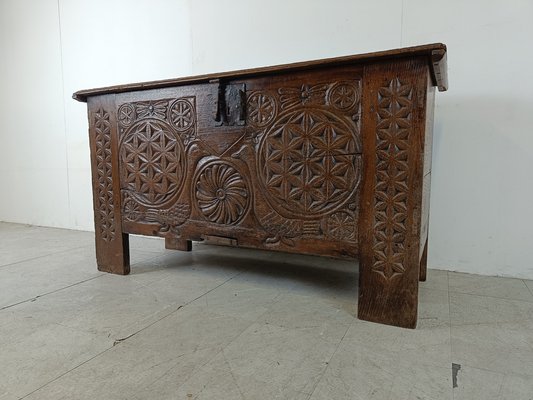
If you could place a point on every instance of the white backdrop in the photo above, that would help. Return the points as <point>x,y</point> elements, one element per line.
<point>482,190</point>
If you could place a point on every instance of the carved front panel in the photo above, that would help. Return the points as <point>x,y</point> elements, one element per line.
<point>287,179</point>
<point>307,160</point>
<point>153,160</point>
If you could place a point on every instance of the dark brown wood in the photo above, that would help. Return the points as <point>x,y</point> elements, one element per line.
<point>428,144</point>
<point>424,263</point>
<point>435,52</point>
<point>173,243</point>
<point>326,158</point>
<point>394,121</point>
<point>112,248</point>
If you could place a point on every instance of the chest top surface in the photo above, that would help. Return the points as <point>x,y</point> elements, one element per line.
<point>435,54</point>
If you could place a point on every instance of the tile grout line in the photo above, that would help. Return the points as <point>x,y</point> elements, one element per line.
<point>221,351</point>
<point>506,373</point>
<point>176,310</point>
<point>64,373</point>
<point>281,292</point>
<point>47,293</point>
<point>100,274</point>
<point>329,361</point>
<point>528,288</point>
<point>44,255</point>
<point>232,377</point>
<point>118,341</point>
<point>492,297</point>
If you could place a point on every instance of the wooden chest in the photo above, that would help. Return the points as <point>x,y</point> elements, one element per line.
<point>329,157</point>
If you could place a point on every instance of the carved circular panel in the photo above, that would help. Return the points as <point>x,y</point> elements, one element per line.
<point>126,115</point>
<point>131,210</point>
<point>343,96</point>
<point>152,162</point>
<point>261,108</point>
<point>222,194</point>
<point>307,164</point>
<point>341,226</point>
<point>181,115</point>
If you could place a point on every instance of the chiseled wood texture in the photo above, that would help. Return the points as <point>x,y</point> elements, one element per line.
<point>428,144</point>
<point>394,109</point>
<point>287,180</point>
<point>326,158</point>
<point>112,247</point>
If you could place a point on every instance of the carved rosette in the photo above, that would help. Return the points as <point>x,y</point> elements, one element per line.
<point>104,187</point>
<point>343,96</point>
<point>261,108</point>
<point>131,210</point>
<point>126,115</point>
<point>152,162</point>
<point>221,193</point>
<point>307,162</point>
<point>181,115</point>
<point>394,125</point>
<point>341,226</point>
<point>178,113</point>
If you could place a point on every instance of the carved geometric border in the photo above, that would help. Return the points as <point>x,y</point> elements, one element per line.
<point>104,186</point>
<point>394,126</point>
<point>180,113</point>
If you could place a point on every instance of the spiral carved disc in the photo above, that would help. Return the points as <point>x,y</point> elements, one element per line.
<point>222,194</point>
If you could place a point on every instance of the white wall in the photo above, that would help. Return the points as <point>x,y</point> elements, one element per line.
<point>48,50</point>
<point>482,186</point>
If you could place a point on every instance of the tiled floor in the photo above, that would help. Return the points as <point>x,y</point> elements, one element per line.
<point>221,323</point>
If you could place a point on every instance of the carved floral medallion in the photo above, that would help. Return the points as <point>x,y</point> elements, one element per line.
<point>222,194</point>
<point>152,162</point>
<point>308,163</point>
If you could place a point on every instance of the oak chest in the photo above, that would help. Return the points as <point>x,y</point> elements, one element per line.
<point>329,157</point>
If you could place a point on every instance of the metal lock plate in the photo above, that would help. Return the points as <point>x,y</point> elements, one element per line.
<point>230,104</point>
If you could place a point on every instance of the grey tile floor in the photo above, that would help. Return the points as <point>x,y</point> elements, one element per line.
<point>221,323</point>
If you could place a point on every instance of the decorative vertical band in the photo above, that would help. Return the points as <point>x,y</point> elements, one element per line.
<point>105,209</point>
<point>394,127</point>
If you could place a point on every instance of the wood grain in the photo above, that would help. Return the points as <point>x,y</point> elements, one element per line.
<point>435,53</point>
<point>329,157</point>
<point>112,248</point>
<point>393,126</point>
